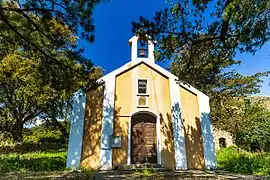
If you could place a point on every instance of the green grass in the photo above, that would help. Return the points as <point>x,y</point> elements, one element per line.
<point>144,172</point>
<point>34,161</point>
<point>236,160</point>
<point>230,159</point>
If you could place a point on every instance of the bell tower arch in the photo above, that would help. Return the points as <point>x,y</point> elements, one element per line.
<point>142,49</point>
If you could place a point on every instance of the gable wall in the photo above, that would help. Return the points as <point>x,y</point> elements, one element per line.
<point>158,103</point>
<point>192,124</point>
<point>90,157</point>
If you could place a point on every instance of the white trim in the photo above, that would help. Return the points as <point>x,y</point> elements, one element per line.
<point>129,142</point>
<point>178,127</point>
<point>158,134</point>
<point>158,140</point>
<point>210,160</point>
<point>134,50</point>
<point>107,124</point>
<point>151,49</point>
<point>133,42</point>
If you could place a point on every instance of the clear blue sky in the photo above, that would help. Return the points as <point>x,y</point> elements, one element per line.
<point>113,30</point>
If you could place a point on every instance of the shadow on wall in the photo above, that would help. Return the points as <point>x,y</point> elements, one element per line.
<point>107,127</point>
<point>194,146</point>
<point>92,129</point>
<point>167,146</point>
<point>120,129</point>
<point>100,115</point>
<point>209,144</point>
<point>178,136</point>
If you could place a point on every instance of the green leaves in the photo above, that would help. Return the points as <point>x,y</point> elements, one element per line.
<point>255,131</point>
<point>231,26</point>
<point>236,160</point>
<point>77,15</point>
<point>40,68</point>
<point>201,39</point>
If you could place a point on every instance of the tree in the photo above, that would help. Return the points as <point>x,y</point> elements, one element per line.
<point>249,122</point>
<point>201,39</point>
<point>231,25</point>
<point>77,15</point>
<point>224,88</point>
<point>254,133</point>
<point>33,83</point>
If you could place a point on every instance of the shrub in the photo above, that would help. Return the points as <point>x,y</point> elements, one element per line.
<point>42,133</point>
<point>237,160</point>
<point>26,147</point>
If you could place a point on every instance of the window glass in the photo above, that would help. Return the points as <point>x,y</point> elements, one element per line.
<point>142,86</point>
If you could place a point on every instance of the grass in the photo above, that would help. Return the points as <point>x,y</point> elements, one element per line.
<point>144,172</point>
<point>236,160</point>
<point>230,159</point>
<point>34,161</point>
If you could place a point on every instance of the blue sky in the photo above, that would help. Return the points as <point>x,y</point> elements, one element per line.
<point>113,30</point>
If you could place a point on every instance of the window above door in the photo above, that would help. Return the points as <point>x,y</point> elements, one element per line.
<point>142,92</point>
<point>142,87</point>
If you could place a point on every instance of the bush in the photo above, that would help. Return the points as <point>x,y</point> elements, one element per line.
<point>26,147</point>
<point>42,134</point>
<point>236,160</point>
<point>55,161</point>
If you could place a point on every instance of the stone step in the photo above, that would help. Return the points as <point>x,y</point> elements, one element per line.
<point>154,167</point>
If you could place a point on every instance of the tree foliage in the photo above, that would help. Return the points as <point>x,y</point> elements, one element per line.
<point>41,66</point>
<point>249,122</point>
<point>77,15</point>
<point>229,25</point>
<point>200,39</point>
<point>254,132</point>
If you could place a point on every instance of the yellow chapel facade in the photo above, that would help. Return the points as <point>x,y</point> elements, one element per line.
<point>141,115</point>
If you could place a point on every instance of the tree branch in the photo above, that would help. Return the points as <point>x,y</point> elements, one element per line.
<point>34,45</point>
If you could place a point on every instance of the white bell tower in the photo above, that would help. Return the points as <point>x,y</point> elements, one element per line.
<point>142,49</point>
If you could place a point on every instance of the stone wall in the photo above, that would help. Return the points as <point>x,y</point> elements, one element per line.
<point>218,134</point>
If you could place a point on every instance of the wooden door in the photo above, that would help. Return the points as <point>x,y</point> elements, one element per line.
<point>143,139</point>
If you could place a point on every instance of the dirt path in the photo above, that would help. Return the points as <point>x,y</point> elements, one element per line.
<point>128,175</point>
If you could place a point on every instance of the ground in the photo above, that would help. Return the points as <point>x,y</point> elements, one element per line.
<point>130,175</point>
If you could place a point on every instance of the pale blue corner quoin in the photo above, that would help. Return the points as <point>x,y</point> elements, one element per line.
<point>207,134</point>
<point>107,124</point>
<point>178,127</point>
<point>76,130</point>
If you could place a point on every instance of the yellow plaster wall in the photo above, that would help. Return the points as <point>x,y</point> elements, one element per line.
<point>191,119</point>
<point>158,103</point>
<point>90,157</point>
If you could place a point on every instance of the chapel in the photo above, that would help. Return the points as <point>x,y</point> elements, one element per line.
<point>141,114</point>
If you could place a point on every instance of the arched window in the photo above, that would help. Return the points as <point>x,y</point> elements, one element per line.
<point>222,142</point>
<point>142,101</point>
<point>142,48</point>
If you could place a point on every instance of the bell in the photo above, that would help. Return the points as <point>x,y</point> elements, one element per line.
<point>142,53</point>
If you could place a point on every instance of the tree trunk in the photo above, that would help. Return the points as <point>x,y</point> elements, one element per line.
<point>62,128</point>
<point>17,133</point>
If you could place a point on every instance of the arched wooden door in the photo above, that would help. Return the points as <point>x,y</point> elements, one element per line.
<point>143,139</point>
